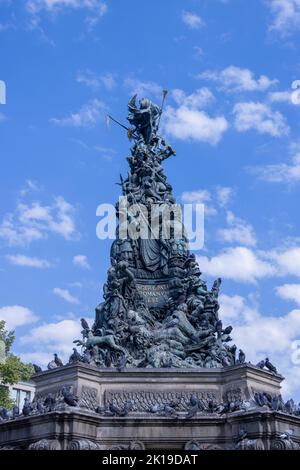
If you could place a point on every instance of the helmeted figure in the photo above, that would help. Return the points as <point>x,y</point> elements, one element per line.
<point>145,118</point>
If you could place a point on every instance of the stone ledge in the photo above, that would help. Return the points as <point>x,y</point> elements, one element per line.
<point>157,372</point>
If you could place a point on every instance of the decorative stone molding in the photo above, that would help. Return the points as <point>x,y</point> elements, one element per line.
<point>45,444</point>
<point>83,444</point>
<point>211,447</point>
<point>197,445</point>
<point>250,444</point>
<point>88,398</point>
<point>8,447</point>
<point>134,445</point>
<point>192,445</point>
<point>233,394</point>
<point>143,400</point>
<point>284,444</point>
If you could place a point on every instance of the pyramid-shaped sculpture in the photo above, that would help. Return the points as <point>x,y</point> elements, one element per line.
<point>157,311</point>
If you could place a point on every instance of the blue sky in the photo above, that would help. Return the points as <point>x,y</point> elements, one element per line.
<point>228,66</point>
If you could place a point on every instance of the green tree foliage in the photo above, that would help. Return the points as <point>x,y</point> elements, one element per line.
<point>12,369</point>
<point>7,337</point>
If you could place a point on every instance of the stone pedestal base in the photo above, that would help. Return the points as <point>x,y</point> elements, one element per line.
<point>160,414</point>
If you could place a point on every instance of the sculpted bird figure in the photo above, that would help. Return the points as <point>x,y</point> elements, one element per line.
<point>84,324</point>
<point>52,365</point>
<point>4,413</point>
<point>69,397</point>
<point>242,357</point>
<point>287,434</point>
<point>193,407</point>
<point>261,364</point>
<point>50,402</point>
<point>15,411</point>
<point>57,360</point>
<point>121,362</point>
<point>75,357</point>
<point>27,407</point>
<point>270,366</point>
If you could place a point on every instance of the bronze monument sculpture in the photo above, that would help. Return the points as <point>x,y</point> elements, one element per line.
<point>157,311</point>
<point>157,368</point>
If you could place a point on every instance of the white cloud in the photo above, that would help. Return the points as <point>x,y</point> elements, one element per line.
<point>40,357</point>
<point>192,20</point>
<point>235,308</point>
<point>95,10</point>
<point>280,97</point>
<point>22,260</point>
<point>260,335</point>
<point>105,152</point>
<point>264,336</point>
<point>7,26</point>
<point>142,89</point>
<point>231,306</point>
<point>196,100</point>
<point>198,197</point>
<point>236,79</point>
<point>16,315</point>
<point>36,221</point>
<point>99,7</point>
<point>65,295</point>
<point>218,196</point>
<point>18,234</point>
<point>53,337</point>
<point>60,333</point>
<point>88,116</point>
<point>186,123</point>
<point>30,186</point>
<point>99,11</point>
<point>198,52</point>
<point>63,224</point>
<point>238,231</point>
<point>281,172</point>
<point>288,260</point>
<point>81,261</point>
<point>289,292</point>
<point>239,264</point>
<point>201,196</point>
<point>224,194</point>
<point>76,284</point>
<point>259,117</point>
<point>94,81</point>
<point>286,15</point>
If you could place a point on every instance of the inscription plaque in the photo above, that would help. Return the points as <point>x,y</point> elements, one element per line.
<point>155,294</point>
